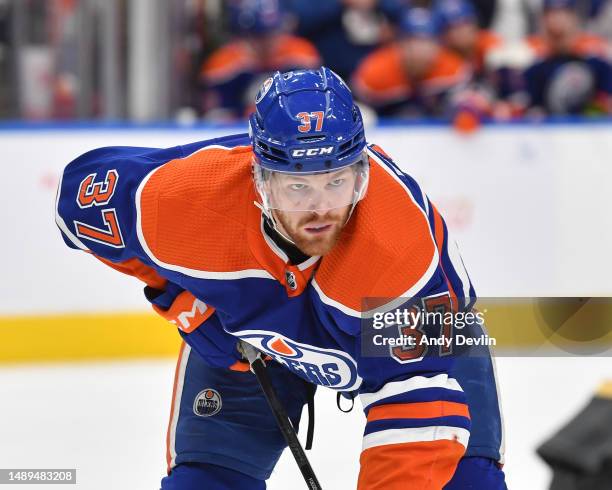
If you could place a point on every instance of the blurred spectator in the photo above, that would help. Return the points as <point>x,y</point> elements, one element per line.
<point>345,31</point>
<point>232,75</point>
<point>572,73</point>
<point>460,33</point>
<point>413,76</point>
<point>600,18</point>
<point>594,15</point>
<point>485,12</point>
<point>6,80</point>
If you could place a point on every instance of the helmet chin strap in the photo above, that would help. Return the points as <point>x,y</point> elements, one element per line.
<point>359,195</point>
<point>267,213</point>
<point>279,231</point>
<point>350,213</point>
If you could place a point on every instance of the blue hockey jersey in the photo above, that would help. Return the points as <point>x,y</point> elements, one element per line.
<point>186,221</point>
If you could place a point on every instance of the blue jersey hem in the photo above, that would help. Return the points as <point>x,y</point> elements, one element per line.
<point>226,462</point>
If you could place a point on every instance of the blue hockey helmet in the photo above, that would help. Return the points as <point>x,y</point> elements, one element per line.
<point>453,12</point>
<point>418,22</point>
<point>559,4</point>
<point>254,16</point>
<point>305,123</point>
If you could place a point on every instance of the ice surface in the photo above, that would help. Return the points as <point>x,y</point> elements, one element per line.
<point>109,421</point>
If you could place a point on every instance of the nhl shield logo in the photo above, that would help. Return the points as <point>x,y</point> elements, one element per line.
<point>207,403</point>
<point>291,281</point>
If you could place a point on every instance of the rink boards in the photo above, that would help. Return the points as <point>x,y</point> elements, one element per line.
<point>527,204</point>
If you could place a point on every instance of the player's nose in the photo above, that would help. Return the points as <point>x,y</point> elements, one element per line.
<point>317,213</point>
<point>320,203</point>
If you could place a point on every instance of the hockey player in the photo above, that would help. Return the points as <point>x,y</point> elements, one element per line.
<point>461,34</point>
<point>414,76</point>
<point>285,265</point>
<point>232,74</point>
<point>572,73</point>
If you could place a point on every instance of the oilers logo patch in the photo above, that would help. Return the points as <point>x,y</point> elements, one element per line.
<point>263,90</point>
<point>326,367</point>
<point>207,403</point>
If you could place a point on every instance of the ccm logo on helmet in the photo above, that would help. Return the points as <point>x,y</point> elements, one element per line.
<point>313,152</point>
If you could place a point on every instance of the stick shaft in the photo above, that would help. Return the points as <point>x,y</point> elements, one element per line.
<point>284,423</point>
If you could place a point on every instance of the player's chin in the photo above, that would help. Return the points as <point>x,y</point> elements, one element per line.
<point>319,245</point>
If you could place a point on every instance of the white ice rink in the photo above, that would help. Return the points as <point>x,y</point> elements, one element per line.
<point>108,420</point>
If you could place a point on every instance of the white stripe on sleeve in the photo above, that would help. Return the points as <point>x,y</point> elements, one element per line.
<point>415,383</point>
<point>417,434</point>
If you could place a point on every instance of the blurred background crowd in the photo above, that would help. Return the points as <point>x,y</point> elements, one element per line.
<point>150,60</point>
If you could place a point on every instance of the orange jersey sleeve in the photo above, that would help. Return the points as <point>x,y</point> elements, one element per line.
<point>412,457</point>
<point>448,71</point>
<point>226,63</point>
<point>487,41</point>
<point>294,52</point>
<point>537,45</point>
<point>185,311</point>
<point>380,78</point>
<point>591,45</point>
<point>584,45</point>
<point>135,268</point>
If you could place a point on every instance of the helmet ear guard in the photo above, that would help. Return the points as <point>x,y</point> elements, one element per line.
<point>363,179</point>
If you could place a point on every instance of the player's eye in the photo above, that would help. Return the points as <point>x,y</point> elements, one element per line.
<point>336,182</point>
<point>297,187</point>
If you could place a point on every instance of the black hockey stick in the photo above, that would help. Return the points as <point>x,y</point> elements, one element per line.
<point>284,423</point>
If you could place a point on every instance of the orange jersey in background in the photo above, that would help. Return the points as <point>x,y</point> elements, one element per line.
<point>383,82</point>
<point>487,42</point>
<point>232,75</point>
<point>584,44</point>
